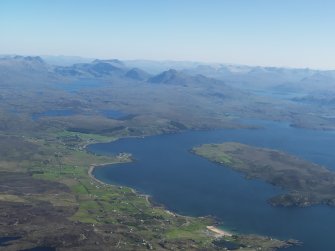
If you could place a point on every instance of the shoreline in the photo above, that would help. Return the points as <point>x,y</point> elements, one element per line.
<point>146,196</point>
<point>94,166</point>
<point>91,169</point>
<point>217,232</point>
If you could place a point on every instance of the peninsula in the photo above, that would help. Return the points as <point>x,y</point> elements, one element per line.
<point>305,183</point>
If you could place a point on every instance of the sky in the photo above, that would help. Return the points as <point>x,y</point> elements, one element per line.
<point>289,33</point>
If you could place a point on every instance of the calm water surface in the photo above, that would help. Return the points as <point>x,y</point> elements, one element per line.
<point>188,184</point>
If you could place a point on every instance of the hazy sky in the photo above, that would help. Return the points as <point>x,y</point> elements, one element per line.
<point>298,33</point>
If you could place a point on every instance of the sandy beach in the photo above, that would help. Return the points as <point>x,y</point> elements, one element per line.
<point>219,232</point>
<point>91,169</point>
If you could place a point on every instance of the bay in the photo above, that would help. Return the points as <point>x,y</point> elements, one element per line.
<point>165,168</point>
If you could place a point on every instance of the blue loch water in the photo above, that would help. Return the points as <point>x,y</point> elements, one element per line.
<point>4,241</point>
<point>191,185</point>
<point>114,114</point>
<point>53,113</point>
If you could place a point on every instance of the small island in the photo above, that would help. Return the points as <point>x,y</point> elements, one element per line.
<point>305,183</point>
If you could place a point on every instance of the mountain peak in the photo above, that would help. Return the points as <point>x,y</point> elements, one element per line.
<point>29,59</point>
<point>169,77</point>
<point>97,68</point>
<point>114,62</point>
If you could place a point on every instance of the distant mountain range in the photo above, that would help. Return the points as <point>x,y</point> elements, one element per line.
<point>174,77</point>
<point>179,73</point>
<point>247,77</point>
<point>23,70</point>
